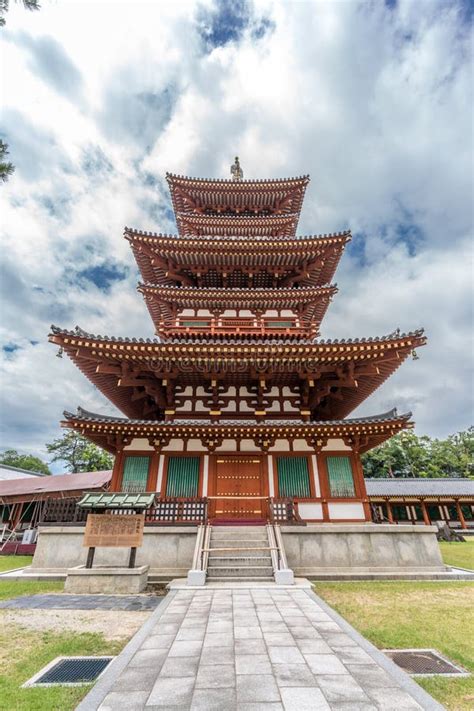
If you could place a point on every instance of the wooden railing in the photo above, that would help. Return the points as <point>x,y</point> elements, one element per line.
<point>62,511</point>
<point>175,511</point>
<point>284,511</point>
<point>178,511</point>
<point>266,326</point>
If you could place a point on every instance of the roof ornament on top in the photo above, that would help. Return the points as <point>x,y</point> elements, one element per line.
<point>236,171</point>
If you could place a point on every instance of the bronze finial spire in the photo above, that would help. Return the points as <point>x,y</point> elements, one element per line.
<point>236,171</point>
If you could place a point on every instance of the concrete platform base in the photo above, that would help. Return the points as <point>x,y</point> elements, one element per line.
<point>182,584</point>
<point>106,580</point>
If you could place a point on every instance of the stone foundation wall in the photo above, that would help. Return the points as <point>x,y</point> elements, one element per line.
<point>167,550</point>
<point>311,549</point>
<point>364,547</point>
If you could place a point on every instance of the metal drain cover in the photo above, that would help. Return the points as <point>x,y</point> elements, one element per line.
<point>70,671</point>
<point>424,662</point>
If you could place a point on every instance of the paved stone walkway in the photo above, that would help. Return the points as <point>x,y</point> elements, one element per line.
<point>65,601</point>
<point>250,650</point>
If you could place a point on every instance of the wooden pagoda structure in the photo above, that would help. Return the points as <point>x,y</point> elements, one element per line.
<point>237,402</point>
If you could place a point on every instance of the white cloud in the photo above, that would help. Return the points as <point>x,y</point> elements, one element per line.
<point>374,103</point>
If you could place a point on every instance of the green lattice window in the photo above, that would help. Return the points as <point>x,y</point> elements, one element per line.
<point>183,477</point>
<point>135,474</point>
<point>293,477</point>
<point>341,481</point>
<point>195,324</point>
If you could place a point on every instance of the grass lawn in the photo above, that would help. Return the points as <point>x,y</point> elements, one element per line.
<point>24,652</point>
<point>10,562</point>
<point>458,553</point>
<point>15,588</point>
<point>415,614</point>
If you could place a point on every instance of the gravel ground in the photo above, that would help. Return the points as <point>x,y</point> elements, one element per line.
<point>112,624</point>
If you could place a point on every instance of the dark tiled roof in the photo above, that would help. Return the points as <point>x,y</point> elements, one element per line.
<point>86,416</point>
<point>239,240</point>
<point>395,335</point>
<point>420,487</point>
<point>55,483</point>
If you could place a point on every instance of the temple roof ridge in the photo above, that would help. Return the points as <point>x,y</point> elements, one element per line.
<point>236,290</point>
<point>395,335</point>
<point>131,231</point>
<point>229,181</point>
<point>389,415</point>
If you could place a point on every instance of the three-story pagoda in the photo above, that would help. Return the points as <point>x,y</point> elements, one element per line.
<point>237,400</point>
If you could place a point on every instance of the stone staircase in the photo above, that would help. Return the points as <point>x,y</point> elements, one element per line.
<point>239,553</point>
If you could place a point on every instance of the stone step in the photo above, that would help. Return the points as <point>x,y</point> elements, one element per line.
<point>238,543</point>
<point>232,561</point>
<point>238,571</point>
<point>242,579</point>
<point>238,537</point>
<point>239,555</point>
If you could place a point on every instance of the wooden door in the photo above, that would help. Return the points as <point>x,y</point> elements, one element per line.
<point>238,488</point>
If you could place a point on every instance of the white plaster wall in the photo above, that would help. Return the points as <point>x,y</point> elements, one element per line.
<point>186,407</point>
<point>337,445</point>
<point>138,443</point>
<point>175,445</point>
<point>228,445</point>
<point>205,474</point>
<point>161,464</point>
<point>195,445</point>
<point>271,483</point>
<point>301,445</point>
<point>230,407</point>
<point>281,445</point>
<point>317,485</point>
<point>248,445</point>
<point>310,511</point>
<point>353,511</point>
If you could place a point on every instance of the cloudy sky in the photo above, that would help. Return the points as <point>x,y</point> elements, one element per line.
<point>372,99</point>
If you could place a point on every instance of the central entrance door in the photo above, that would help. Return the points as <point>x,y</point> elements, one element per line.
<point>238,489</point>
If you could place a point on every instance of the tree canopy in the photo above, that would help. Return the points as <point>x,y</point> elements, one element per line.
<point>407,455</point>
<point>12,458</point>
<point>78,454</point>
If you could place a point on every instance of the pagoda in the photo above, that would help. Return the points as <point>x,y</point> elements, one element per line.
<point>238,401</point>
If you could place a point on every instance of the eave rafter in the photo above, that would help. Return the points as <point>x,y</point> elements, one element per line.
<point>302,261</point>
<point>200,196</point>
<point>332,377</point>
<point>308,303</point>
<point>192,225</point>
<point>360,434</point>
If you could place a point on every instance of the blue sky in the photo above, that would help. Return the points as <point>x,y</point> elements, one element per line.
<point>373,100</point>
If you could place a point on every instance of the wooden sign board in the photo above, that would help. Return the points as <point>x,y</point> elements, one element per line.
<point>114,530</point>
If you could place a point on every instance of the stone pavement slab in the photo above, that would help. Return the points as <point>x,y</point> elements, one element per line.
<point>65,601</point>
<point>261,649</point>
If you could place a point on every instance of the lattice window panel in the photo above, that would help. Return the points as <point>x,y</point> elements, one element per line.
<point>341,480</point>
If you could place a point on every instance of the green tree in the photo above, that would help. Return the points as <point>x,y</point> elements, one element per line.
<point>12,458</point>
<point>6,168</point>
<point>78,454</point>
<point>407,455</point>
<point>27,4</point>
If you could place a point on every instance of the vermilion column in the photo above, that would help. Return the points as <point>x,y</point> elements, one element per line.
<point>460,515</point>
<point>424,511</point>
<point>389,512</point>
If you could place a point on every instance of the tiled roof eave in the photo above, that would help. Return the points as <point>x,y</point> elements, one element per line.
<point>391,416</point>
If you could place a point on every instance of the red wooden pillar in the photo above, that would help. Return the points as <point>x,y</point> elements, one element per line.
<point>460,514</point>
<point>424,511</point>
<point>116,481</point>
<point>389,512</point>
